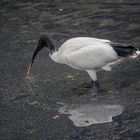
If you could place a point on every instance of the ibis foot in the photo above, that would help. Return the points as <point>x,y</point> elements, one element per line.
<point>95,88</point>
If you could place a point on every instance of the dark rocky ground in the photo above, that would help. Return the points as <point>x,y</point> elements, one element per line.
<point>27,107</point>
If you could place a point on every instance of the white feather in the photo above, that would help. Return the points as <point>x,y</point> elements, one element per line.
<point>85,53</point>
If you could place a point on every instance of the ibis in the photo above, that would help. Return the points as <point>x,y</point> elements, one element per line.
<point>87,54</point>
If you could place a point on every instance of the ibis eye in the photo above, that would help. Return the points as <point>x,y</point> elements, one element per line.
<point>40,41</point>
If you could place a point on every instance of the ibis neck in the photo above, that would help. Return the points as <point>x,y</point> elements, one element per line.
<point>55,57</point>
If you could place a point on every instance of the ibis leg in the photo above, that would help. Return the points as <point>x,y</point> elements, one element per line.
<point>95,88</point>
<point>94,83</point>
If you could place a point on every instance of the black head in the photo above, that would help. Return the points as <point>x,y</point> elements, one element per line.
<point>43,42</point>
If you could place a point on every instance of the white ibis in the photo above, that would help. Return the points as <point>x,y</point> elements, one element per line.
<point>88,54</point>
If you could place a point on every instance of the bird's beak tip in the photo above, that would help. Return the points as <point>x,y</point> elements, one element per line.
<point>27,77</point>
<point>28,71</point>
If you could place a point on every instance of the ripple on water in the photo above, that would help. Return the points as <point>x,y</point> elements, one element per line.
<point>88,114</point>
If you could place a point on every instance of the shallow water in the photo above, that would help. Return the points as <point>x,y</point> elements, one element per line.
<point>27,107</point>
<point>88,114</point>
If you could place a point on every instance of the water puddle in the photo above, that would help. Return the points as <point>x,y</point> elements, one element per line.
<point>88,114</point>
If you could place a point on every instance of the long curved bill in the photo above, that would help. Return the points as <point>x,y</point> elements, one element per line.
<point>39,47</point>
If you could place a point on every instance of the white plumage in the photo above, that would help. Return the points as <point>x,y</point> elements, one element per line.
<point>88,54</point>
<point>84,53</point>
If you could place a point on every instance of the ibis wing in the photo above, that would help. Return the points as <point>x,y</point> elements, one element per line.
<point>77,43</point>
<point>91,57</point>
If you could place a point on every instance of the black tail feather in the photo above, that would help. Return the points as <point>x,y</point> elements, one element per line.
<point>123,50</point>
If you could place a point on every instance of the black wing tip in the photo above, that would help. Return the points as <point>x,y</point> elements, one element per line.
<point>123,50</point>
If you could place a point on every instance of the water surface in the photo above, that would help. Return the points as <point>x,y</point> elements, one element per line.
<point>27,107</point>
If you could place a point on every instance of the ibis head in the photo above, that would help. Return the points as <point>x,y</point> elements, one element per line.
<point>43,42</point>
